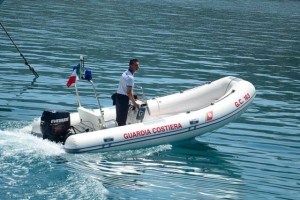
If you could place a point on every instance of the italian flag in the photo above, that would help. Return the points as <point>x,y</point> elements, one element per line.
<point>74,76</point>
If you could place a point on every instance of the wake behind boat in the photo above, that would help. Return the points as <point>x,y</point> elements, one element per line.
<point>167,119</point>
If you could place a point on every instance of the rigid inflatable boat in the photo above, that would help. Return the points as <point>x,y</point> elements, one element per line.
<point>162,120</point>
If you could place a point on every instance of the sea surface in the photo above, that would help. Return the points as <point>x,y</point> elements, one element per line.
<point>180,44</point>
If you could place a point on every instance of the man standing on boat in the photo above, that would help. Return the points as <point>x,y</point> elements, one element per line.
<point>125,92</point>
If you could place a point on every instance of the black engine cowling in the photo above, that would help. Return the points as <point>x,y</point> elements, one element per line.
<point>55,125</point>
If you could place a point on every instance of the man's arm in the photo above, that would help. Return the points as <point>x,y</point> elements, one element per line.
<point>131,97</point>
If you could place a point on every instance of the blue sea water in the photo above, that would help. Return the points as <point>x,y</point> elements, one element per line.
<point>180,44</point>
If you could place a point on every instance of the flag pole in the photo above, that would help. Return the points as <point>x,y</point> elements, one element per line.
<point>77,94</point>
<point>81,71</point>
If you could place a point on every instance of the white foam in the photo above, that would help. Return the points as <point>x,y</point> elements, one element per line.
<point>20,140</point>
<point>23,152</point>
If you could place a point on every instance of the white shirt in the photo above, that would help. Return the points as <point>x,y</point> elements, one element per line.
<point>126,80</point>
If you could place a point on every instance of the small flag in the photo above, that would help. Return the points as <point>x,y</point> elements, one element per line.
<point>74,76</point>
<point>77,71</point>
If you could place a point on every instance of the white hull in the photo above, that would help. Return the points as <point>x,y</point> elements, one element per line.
<point>168,119</point>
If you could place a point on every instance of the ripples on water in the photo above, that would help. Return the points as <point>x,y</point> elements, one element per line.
<point>180,44</point>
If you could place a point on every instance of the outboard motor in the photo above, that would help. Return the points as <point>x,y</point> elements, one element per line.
<point>55,125</point>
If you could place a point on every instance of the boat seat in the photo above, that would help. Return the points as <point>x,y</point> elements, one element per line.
<point>89,117</point>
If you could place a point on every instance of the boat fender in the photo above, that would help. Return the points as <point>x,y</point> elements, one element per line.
<point>55,125</point>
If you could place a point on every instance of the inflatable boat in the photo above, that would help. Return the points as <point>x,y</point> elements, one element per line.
<point>162,120</point>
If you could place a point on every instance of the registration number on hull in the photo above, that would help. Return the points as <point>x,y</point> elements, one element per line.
<point>241,101</point>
